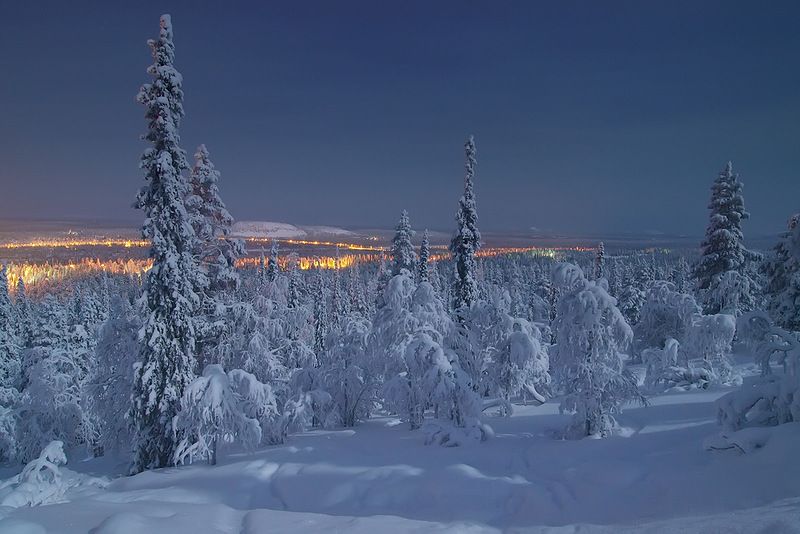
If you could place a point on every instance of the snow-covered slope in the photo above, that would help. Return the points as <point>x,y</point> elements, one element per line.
<point>267,229</point>
<point>379,477</point>
<point>277,230</point>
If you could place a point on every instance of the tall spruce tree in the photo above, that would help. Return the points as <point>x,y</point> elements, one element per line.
<point>424,255</point>
<point>467,240</point>
<point>723,249</point>
<point>402,250</point>
<point>166,364</point>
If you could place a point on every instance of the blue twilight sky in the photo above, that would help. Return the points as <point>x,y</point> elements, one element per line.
<point>589,117</point>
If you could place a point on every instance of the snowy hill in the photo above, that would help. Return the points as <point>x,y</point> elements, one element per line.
<point>380,477</point>
<point>277,230</point>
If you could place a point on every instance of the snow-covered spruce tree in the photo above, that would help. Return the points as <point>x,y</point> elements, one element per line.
<point>783,278</point>
<point>723,249</point>
<point>339,305</point>
<point>403,256</point>
<point>423,274</point>
<point>9,343</point>
<point>681,275</point>
<point>591,334</point>
<point>51,325</point>
<point>110,383</point>
<point>216,251</point>
<point>358,303</point>
<point>321,324</point>
<point>293,294</point>
<point>167,337</point>
<point>599,261</point>
<point>24,318</point>
<point>261,271</point>
<point>273,269</point>
<point>220,407</point>
<point>467,240</point>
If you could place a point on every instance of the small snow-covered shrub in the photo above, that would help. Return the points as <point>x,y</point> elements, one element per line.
<point>224,407</point>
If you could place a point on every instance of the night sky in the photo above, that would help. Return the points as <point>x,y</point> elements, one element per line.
<point>589,117</point>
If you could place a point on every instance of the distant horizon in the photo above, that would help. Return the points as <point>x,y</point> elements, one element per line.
<point>132,225</point>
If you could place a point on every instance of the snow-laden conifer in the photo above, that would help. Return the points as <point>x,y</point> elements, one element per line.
<point>403,256</point>
<point>217,251</point>
<point>723,248</point>
<point>467,239</point>
<point>424,256</point>
<point>167,336</point>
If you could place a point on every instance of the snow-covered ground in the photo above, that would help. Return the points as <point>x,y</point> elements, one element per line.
<point>380,477</point>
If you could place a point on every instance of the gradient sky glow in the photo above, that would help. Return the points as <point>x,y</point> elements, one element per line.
<point>589,117</point>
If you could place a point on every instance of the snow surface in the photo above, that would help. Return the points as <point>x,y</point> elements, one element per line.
<point>379,477</point>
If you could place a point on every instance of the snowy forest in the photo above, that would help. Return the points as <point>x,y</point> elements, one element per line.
<point>199,361</point>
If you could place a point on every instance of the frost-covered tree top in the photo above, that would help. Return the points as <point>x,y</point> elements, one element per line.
<point>424,256</point>
<point>722,248</point>
<point>403,256</point>
<point>467,240</point>
<point>167,336</point>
